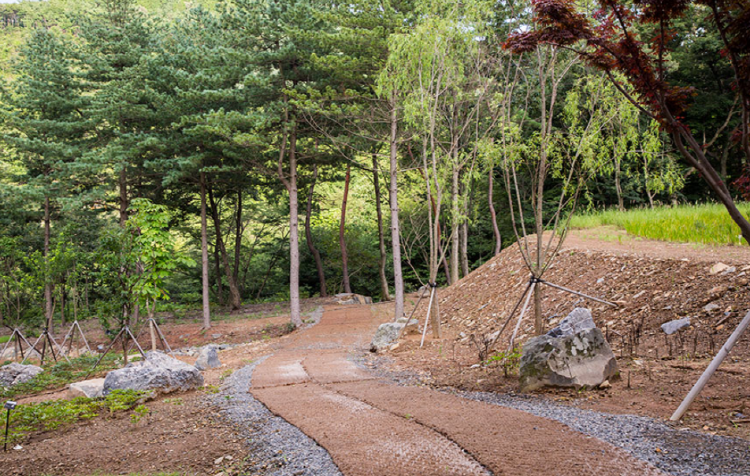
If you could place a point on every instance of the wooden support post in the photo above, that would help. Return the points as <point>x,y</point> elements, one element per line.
<point>427,318</point>
<point>523,311</point>
<point>703,380</point>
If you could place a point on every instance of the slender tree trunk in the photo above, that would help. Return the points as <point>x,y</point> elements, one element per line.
<point>62,304</point>
<point>237,240</point>
<point>618,187</point>
<point>309,238</point>
<point>234,293</point>
<point>493,213</point>
<point>455,224</point>
<point>123,186</point>
<point>294,231</point>
<point>47,283</point>
<point>204,256</point>
<point>398,279</point>
<point>342,229</point>
<point>465,248</point>
<point>385,295</point>
<point>217,268</point>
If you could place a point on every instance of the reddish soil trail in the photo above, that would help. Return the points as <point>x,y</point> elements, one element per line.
<point>372,427</point>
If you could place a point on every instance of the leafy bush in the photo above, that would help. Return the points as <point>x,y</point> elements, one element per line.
<point>510,360</point>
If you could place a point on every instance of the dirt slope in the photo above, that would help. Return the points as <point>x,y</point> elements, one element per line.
<point>657,282</point>
<point>654,290</point>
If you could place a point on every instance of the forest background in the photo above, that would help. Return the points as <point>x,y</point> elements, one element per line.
<point>151,150</point>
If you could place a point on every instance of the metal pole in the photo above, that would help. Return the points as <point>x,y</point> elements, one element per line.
<point>7,427</point>
<point>711,368</point>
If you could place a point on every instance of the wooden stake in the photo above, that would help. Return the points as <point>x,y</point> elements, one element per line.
<point>427,318</point>
<point>523,311</point>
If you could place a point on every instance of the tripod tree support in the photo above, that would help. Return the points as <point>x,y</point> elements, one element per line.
<point>18,335</point>
<point>47,338</point>
<point>703,380</point>
<point>71,334</point>
<point>155,332</point>
<point>122,335</point>
<point>400,333</point>
<point>429,309</point>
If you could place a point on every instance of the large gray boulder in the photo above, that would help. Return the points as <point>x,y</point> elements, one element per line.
<point>93,388</point>
<point>573,355</point>
<point>157,372</point>
<point>208,358</point>
<point>13,374</point>
<point>386,336</point>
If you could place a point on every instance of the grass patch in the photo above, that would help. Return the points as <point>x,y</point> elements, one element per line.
<point>4,339</point>
<point>58,375</point>
<point>708,223</point>
<point>56,414</point>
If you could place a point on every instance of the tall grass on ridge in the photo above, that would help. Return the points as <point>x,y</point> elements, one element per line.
<point>706,223</point>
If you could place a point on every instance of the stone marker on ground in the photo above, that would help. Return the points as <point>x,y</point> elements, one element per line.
<point>158,372</point>
<point>208,358</point>
<point>87,388</point>
<point>13,374</point>
<point>575,354</point>
<point>673,326</point>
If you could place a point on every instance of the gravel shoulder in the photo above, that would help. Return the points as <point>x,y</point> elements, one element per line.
<point>276,447</point>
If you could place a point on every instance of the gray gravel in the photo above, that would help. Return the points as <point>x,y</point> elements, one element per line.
<point>276,448</point>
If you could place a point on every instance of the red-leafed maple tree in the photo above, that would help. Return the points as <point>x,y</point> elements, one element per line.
<point>634,38</point>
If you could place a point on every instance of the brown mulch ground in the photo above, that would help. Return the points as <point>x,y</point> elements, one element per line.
<point>376,428</point>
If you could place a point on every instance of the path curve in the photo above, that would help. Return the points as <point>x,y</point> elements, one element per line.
<point>374,427</point>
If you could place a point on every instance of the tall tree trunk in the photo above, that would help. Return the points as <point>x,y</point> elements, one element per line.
<point>204,256</point>
<point>398,278</point>
<point>618,187</point>
<point>493,213</point>
<point>47,282</point>
<point>309,238</point>
<point>217,271</point>
<point>62,304</point>
<point>233,291</point>
<point>465,248</point>
<point>291,186</point>
<point>455,224</point>
<point>385,295</point>
<point>238,241</point>
<point>342,229</point>
<point>123,186</point>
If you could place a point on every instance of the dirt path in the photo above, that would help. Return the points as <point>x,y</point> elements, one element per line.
<point>372,427</point>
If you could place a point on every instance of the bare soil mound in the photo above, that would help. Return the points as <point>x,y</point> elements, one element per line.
<point>657,369</point>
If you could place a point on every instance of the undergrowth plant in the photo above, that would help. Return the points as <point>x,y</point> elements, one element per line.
<point>510,360</point>
<point>52,415</point>
<point>58,375</point>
